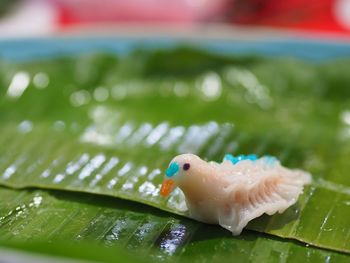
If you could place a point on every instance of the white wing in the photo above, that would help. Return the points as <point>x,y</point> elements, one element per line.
<point>258,188</point>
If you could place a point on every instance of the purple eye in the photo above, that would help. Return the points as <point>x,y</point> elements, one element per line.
<point>186,166</point>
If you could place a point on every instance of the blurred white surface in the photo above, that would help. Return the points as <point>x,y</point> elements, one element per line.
<point>29,18</point>
<point>342,12</point>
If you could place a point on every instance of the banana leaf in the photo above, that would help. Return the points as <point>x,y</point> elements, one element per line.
<point>74,222</point>
<point>109,125</point>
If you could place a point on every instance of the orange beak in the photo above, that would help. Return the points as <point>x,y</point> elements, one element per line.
<point>167,187</point>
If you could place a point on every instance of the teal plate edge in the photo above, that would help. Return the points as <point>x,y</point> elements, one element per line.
<point>43,48</point>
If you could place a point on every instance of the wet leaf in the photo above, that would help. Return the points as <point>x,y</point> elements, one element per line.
<point>109,126</point>
<point>98,228</point>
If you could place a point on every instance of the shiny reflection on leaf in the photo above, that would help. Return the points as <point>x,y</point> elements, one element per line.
<point>157,133</point>
<point>99,114</point>
<point>345,117</point>
<point>256,93</point>
<point>113,162</point>
<point>25,126</point>
<point>193,142</point>
<point>110,165</point>
<point>210,86</point>
<point>143,233</point>
<point>134,178</point>
<point>119,226</point>
<point>172,137</point>
<point>91,166</point>
<point>101,94</point>
<point>47,172</point>
<point>139,134</point>
<point>91,135</point>
<point>345,130</point>
<point>58,178</point>
<point>112,133</point>
<point>41,80</point>
<point>147,188</point>
<point>36,201</point>
<point>72,167</point>
<point>154,174</point>
<point>112,183</point>
<point>123,229</point>
<point>170,240</point>
<point>80,98</point>
<point>9,171</point>
<point>18,85</point>
<point>59,126</point>
<point>125,131</point>
<point>126,168</point>
<point>21,211</point>
<point>177,201</point>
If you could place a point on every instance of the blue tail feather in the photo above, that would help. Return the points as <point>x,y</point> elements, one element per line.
<point>270,160</point>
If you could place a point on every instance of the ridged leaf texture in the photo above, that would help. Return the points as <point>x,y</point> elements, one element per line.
<point>108,125</point>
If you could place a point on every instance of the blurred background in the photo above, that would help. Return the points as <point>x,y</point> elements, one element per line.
<point>88,120</point>
<point>20,18</point>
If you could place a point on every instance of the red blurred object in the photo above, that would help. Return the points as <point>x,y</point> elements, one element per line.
<point>320,15</point>
<point>314,15</point>
<point>106,11</point>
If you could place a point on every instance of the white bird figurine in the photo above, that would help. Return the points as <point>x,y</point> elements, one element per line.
<point>235,191</point>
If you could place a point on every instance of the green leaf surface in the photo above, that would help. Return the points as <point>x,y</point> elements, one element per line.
<point>109,126</point>
<point>64,252</point>
<point>82,220</point>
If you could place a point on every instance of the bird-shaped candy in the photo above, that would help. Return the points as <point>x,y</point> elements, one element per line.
<point>235,191</point>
